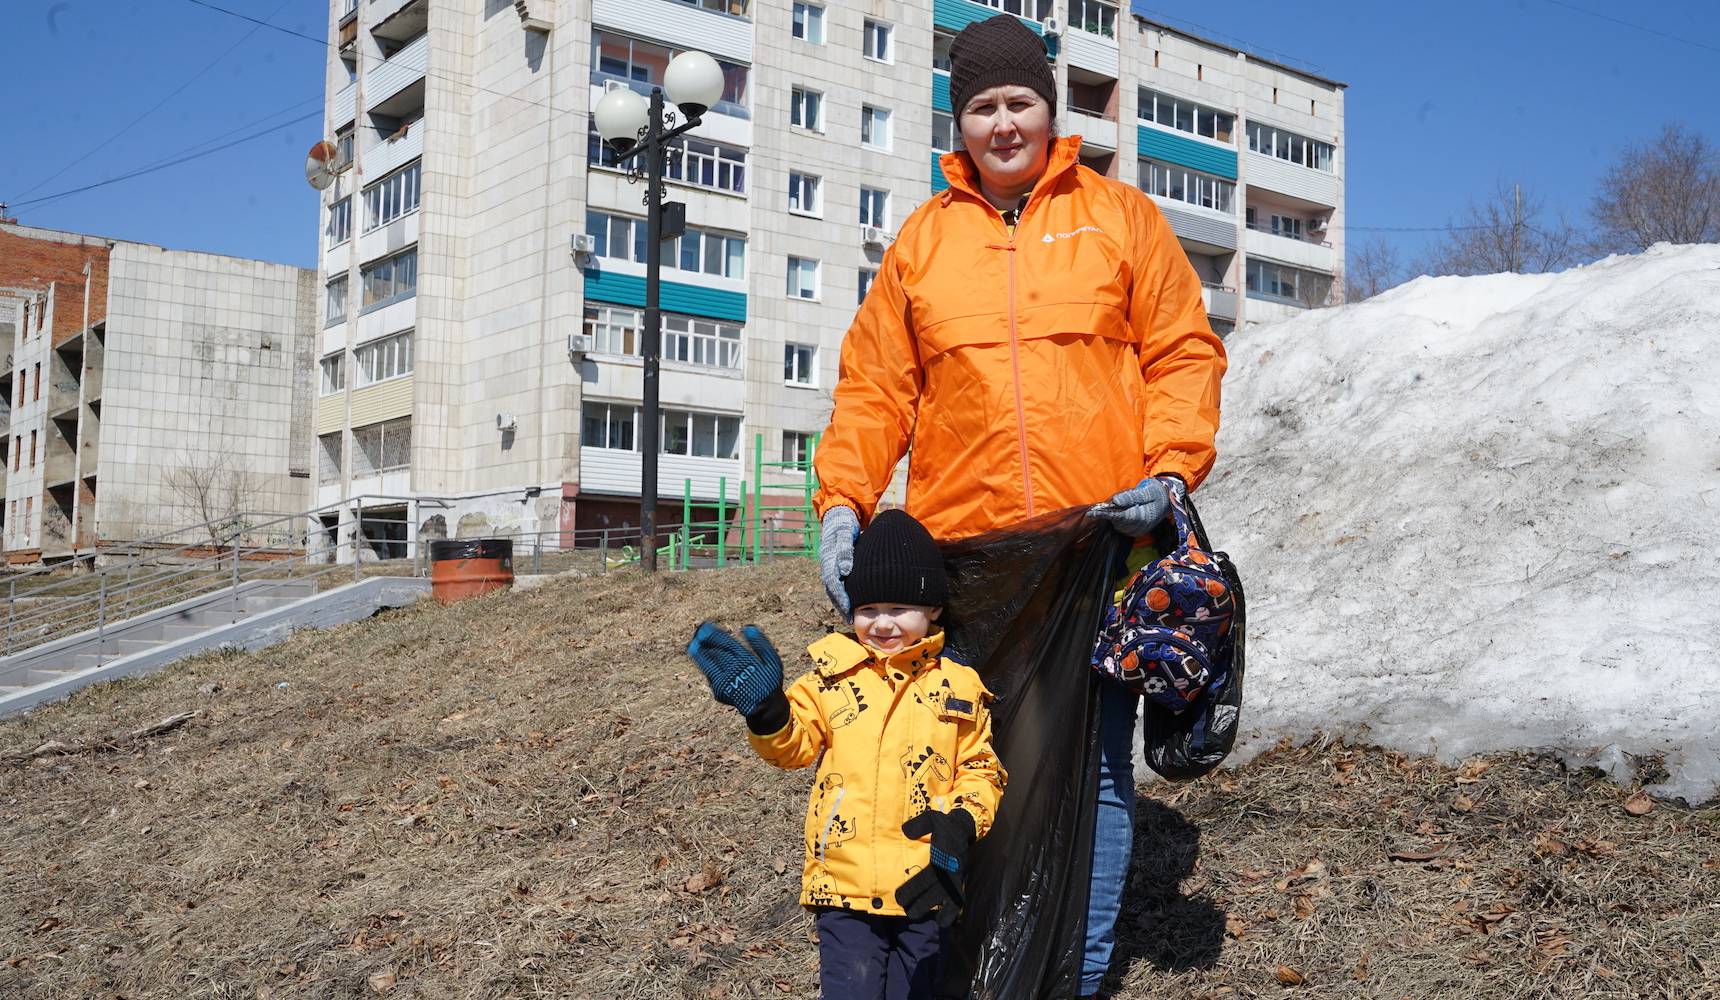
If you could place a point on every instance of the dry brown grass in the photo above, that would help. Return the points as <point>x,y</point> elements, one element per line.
<point>531,795</point>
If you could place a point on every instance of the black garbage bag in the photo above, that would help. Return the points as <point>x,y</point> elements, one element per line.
<point>1025,604</point>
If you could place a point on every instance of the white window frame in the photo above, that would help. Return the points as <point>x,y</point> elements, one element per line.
<point>726,165</point>
<point>806,108</point>
<point>708,343</point>
<point>872,30</point>
<point>944,134</point>
<point>874,119</point>
<point>863,280</point>
<point>689,422</point>
<point>340,222</point>
<point>383,359</point>
<point>1166,180</point>
<point>875,207</point>
<point>1150,103</point>
<point>393,197</point>
<point>614,416</point>
<point>613,329</point>
<point>728,264</point>
<point>800,365</point>
<point>808,20</point>
<point>804,188</point>
<point>1033,10</point>
<point>798,446</point>
<point>802,266</point>
<point>333,369</point>
<point>329,448</point>
<point>331,317</point>
<point>1086,15</point>
<point>1292,147</point>
<point>399,290</point>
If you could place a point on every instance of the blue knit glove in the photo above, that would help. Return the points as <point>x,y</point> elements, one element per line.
<point>744,676</point>
<point>1135,512</point>
<point>838,532</point>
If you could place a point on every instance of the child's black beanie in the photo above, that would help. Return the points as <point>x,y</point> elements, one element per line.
<point>897,562</point>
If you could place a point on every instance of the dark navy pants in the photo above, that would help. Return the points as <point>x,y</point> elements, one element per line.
<point>866,957</point>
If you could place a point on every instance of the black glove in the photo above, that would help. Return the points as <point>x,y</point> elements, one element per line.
<point>938,886</point>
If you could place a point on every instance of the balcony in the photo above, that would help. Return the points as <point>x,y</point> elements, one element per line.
<point>1203,230</point>
<point>397,150</point>
<point>1091,41</point>
<point>1306,254</point>
<point>1096,129</point>
<point>399,71</point>
<point>344,106</point>
<point>682,24</point>
<point>1220,301</point>
<point>1316,188</point>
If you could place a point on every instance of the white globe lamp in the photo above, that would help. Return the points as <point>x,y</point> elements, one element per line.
<point>694,82</point>
<point>620,115</point>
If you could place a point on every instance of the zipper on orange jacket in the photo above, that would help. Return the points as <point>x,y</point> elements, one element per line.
<point>1015,367</point>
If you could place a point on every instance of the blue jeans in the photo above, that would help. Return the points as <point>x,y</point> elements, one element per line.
<point>1113,829</point>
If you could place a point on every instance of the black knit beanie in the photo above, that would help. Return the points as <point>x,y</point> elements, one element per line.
<point>997,51</point>
<point>896,562</point>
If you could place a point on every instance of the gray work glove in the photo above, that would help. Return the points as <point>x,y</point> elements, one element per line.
<point>1135,512</point>
<point>841,526</point>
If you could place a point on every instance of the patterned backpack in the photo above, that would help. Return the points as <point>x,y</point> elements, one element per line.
<point>1177,639</point>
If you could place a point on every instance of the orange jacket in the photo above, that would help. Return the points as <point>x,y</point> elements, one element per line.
<point>893,735</point>
<point>1029,371</point>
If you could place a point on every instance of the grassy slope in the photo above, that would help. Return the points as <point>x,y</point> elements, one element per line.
<point>532,795</point>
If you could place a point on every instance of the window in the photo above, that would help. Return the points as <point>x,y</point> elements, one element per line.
<point>640,65</point>
<point>32,449</point>
<point>609,425</point>
<point>941,51</point>
<point>1280,225</point>
<point>799,364</point>
<point>1185,185</point>
<point>802,278</point>
<point>797,446</point>
<point>866,277</point>
<point>380,360</point>
<point>809,23</point>
<point>698,341</point>
<point>1096,17</point>
<point>874,127</point>
<point>1034,10</point>
<point>803,194</point>
<point>1185,115</point>
<point>336,308</point>
<point>705,252</point>
<point>366,450</point>
<point>17,452</point>
<point>875,41</point>
<point>943,132</point>
<point>701,435</point>
<point>390,198</point>
<point>613,330</point>
<point>709,165</point>
<point>391,278</point>
<point>38,387</point>
<point>333,374</point>
<point>29,511</point>
<point>1286,145</point>
<point>340,222</point>
<point>396,444</point>
<point>328,457</point>
<point>806,109</point>
<point>737,8</point>
<point>874,208</point>
<point>343,148</point>
<point>619,237</point>
<point>1280,281</point>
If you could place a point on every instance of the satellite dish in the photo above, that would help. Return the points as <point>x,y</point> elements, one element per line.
<point>319,164</point>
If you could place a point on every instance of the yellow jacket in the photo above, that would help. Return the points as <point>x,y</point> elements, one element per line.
<point>901,734</point>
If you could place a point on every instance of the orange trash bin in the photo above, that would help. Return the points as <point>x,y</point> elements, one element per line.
<point>466,567</point>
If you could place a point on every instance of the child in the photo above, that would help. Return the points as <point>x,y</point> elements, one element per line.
<point>907,780</point>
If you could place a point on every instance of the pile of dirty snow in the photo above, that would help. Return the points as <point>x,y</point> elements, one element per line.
<point>1484,513</point>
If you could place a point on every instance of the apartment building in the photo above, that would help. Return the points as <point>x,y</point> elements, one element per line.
<point>483,256</point>
<point>133,370</point>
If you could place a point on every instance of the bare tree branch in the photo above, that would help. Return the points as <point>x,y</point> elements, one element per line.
<point>1373,268</point>
<point>1666,191</point>
<point>1509,231</point>
<point>216,488</point>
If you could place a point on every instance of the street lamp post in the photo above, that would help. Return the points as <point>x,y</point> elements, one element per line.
<point>641,132</point>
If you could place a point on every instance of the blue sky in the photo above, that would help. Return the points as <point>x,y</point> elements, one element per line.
<point>1446,99</point>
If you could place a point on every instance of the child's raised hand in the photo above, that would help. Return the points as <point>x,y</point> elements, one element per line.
<point>741,675</point>
<point>938,886</point>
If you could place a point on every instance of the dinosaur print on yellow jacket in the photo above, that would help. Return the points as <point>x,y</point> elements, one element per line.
<point>899,733</point>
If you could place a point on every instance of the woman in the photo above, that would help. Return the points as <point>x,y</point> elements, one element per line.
<point>1037,334</point>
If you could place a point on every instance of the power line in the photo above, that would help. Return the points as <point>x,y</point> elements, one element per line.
<point>1631,24</point>
<point>172,161</point>
<point>157,107</point>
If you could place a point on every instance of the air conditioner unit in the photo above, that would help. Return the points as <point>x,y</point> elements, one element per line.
<point>872,236</point>
<point>579,344</point>
<point>609,85</point>
<point>1319,224</point>
<point>1052,26</point>
<point>505,422</point>
<point>584,243</point>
